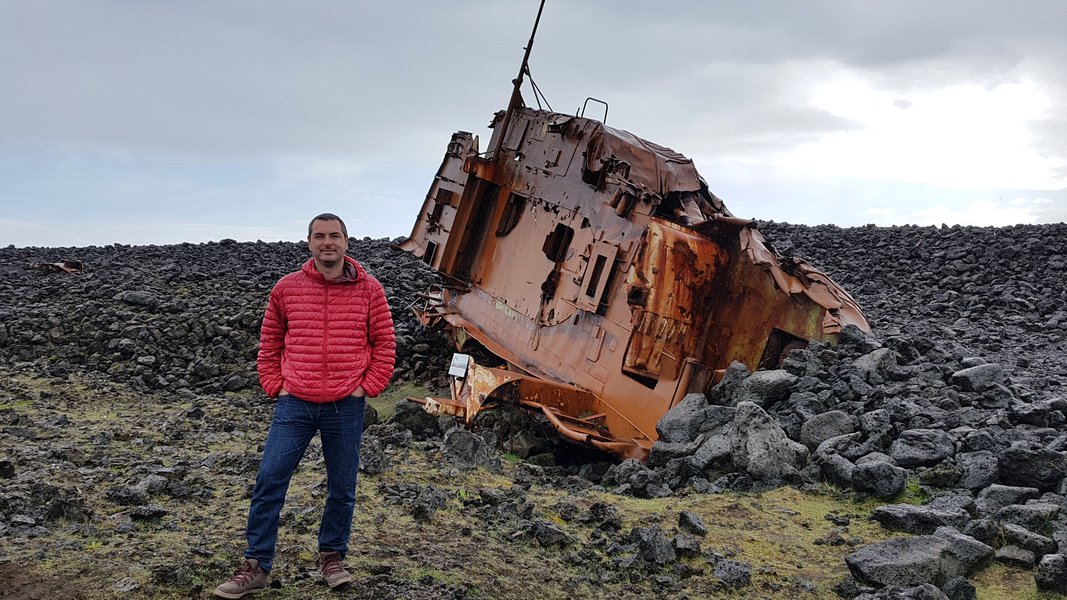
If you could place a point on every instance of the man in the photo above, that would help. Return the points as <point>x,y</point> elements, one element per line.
<point>327,343</point>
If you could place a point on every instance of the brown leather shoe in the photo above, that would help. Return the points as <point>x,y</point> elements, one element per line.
<point>333,572</point>
<point>248,579</point>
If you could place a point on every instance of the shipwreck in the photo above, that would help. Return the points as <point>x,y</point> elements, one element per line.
<point>601,276</point>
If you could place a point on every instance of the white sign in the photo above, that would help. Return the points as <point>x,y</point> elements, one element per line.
<point>459,365</point>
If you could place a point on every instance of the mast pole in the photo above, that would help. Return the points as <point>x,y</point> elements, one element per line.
<point>516,93</point>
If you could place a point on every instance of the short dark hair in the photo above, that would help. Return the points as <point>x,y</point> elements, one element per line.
<point>328,217</point>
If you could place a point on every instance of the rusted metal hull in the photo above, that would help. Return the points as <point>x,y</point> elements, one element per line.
<point>600,266</point>
<point>577,414</point>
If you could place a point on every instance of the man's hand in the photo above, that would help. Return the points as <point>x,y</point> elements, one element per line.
<point>283,392</point>
<point>360,392</point>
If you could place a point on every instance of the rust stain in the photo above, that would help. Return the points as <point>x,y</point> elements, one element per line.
<point>66,266</point>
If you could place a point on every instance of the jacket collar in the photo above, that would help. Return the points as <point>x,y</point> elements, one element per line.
<point>351,273</point>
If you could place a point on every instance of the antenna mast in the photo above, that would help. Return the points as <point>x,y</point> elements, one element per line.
<point>516,93</point>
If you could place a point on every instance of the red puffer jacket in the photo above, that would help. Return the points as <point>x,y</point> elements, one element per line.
<point>321,339</point>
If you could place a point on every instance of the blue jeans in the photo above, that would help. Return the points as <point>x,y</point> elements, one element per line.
<point>340,425</point>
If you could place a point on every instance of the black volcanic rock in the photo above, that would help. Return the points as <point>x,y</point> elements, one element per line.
<point>959,388</point>
<point>185,316</point>
<point>1037,467</point>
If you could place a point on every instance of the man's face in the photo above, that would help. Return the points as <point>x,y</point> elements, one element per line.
<point>327,243</point>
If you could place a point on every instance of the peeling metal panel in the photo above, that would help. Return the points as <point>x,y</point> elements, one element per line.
<point>647,167</point>
<point>669,285</point>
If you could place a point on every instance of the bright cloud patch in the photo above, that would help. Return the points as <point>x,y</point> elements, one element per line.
<point>27,233</point>
<point>982,213</point>
<point>961,136</point>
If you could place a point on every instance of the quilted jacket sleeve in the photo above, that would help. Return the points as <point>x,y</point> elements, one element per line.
<point>382,340</point>
<point>271,344</point>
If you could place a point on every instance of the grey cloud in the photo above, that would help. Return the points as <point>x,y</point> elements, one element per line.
<point>247,85</point>
<point>253,77</point>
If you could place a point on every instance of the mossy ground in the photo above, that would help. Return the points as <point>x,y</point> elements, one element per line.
<point>198,542</point>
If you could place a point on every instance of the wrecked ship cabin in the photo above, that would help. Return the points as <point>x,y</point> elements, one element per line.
<point>603,277</point>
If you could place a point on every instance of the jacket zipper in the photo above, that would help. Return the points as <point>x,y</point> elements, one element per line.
<point>325,334</point>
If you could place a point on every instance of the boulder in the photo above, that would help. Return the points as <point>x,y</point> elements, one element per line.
<point>958,588</point>
<point>548,534</point>
<point>997,396</point>
<point>850,446</point>
<point>985,530</point>
<point>925,591</point>
<point>978,378</point>
<point>875,457</point>
<point>467,450</point>
<point>1051,574</point>
<point>733,573</point>
<point>373,459</point>
<point>835,468</point>
<point>952,502</point>
<point>138,298</point>
<point>918,519</point>
<point>874,363</point>
<point>803,362</point>
<point>717,418</point>
<point>854,340</point>
<point>632,477</point>
<point>986,438</point>
<point>389,434</point>
<point>877,424</point>
<point>1060,537</point>
<point>653,546</point>
<point>663,452</point>
<point>412,417</point>
<point>527,442</point>
<point>1019,536</point>
<point>765,388</point>
<point>760,447</point>
<point>944,474</point>
<point>1032,467</point>
<point>1035,516</point>
<point>996,497</point>
<point>691,522</point>
<point>682,422</point>
<point>880,479</point>
<point>1042,413</point>
<point>824,426</point>
<point>1014,556</point>
<point>920,559</point>
<point>921,448</point>
<point>715,449</point>
<point>686,545</point>
<point>978,469</point>
<point>724,391</point>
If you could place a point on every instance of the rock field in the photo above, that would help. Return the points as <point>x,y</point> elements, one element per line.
<point>957,399</point>
<point>183,318</point>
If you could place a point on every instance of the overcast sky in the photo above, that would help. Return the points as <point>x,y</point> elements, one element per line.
<point>162,122</point>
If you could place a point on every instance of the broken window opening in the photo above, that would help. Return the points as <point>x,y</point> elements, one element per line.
<point>430,252</point>
<point>602,306</point>
<point>435,214</point>
<point>594,277</point>
<point>475,230</point>
<point>445,197</point>
<point>682,208</point>
<point>557,243</point>
<point>513,210</point>
<point>779,345</point>
<point>648,382</point>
